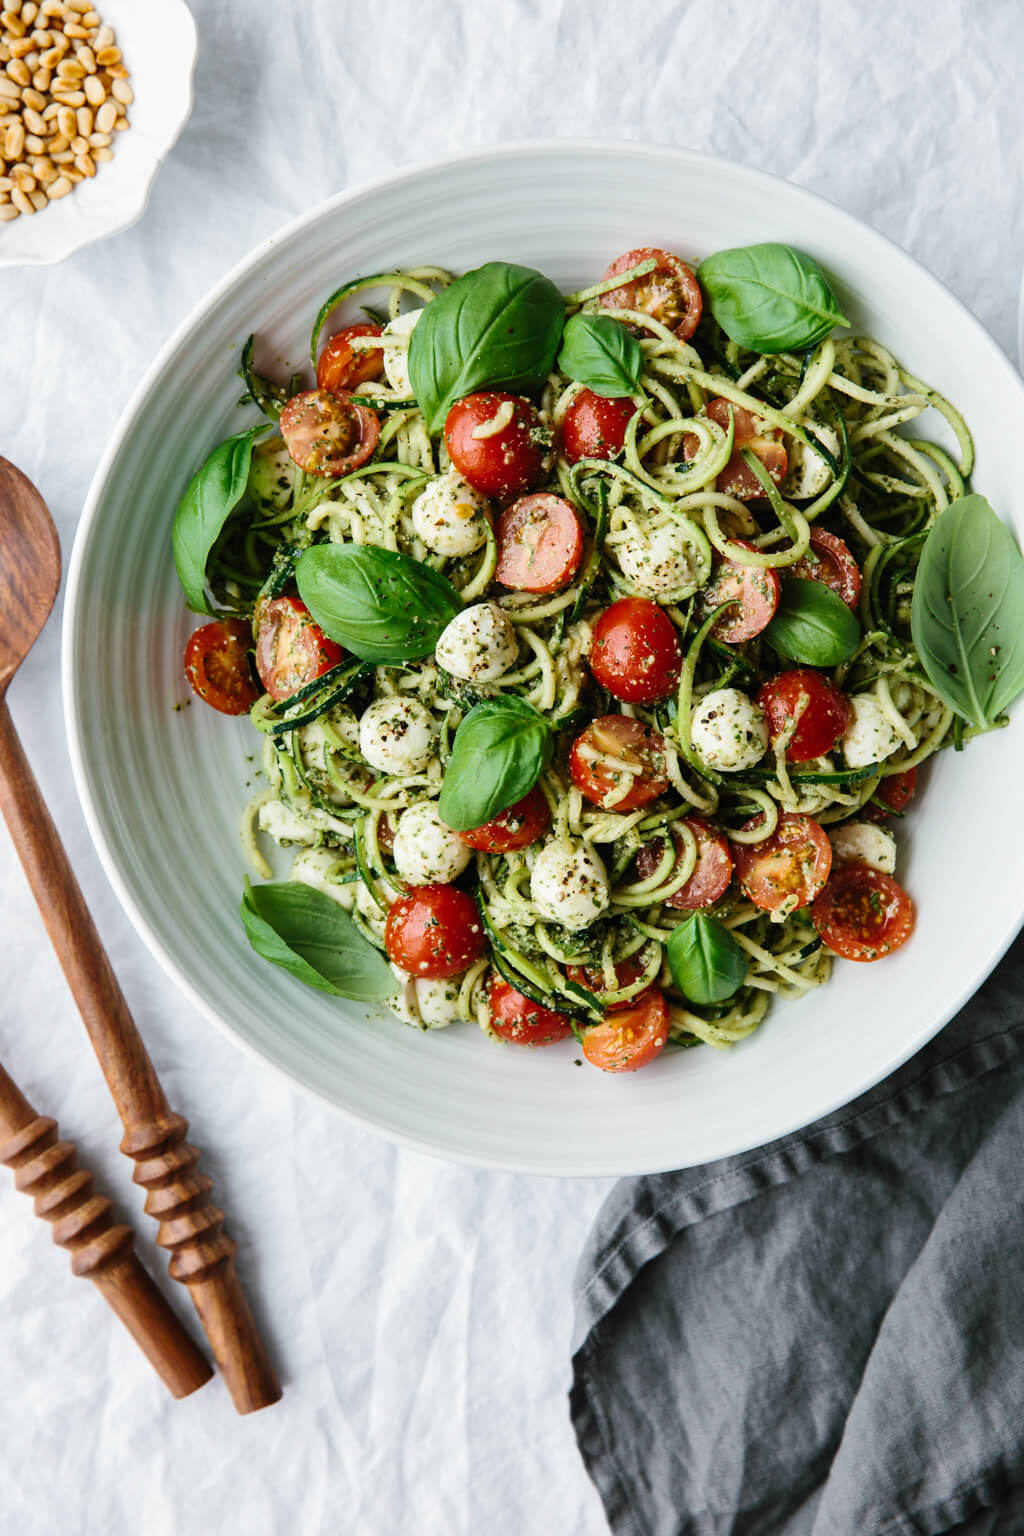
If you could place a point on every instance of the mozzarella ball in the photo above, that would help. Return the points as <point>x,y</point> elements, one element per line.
<point>396,735</point>
<point>280,822</point>
<point>437,1002</point>
<point>871,737</point>
<point>729,730</point>
<point>315,867</point>
<point>479,644</point>
<point>569,885</point>
<point>427,852</point>
<point>662,564</point>
<point>450,516</point>
<point>863,842</point>
<point>808,473</point>
<point>396,359</point>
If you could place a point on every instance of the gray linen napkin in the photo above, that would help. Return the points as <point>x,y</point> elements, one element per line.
<point>825,1336</point>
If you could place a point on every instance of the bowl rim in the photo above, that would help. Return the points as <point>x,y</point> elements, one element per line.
<point>642,149</point>
<point>131,212</point>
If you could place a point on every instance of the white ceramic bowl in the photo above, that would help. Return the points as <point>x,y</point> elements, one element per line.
<point>162,789</point>
<point>158,40</point>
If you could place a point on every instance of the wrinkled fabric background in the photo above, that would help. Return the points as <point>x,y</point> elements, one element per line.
<point>420,1313</point>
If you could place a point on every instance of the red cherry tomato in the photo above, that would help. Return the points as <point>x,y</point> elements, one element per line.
<point>829,560</point>
<point>628,1040</point>
<point>520,1020</point>
<point>217,666</point>
<point>755,590</point>
<point>863,914</point>
<point>626,972</point>
<point>736,479</point>
<point>594,427</point>
<point>789,868</point>
<point>670,293</point>
<point>503,462</point>
<point>434,931</point>
<point>635,652</point>
<point>825,712</point>
<point>616,754</point>
<point>895,791</point>
<point>517,827</point>
<point>540,544</point>
<point>328,434</point>
<point>343,366</point>
<point>291,649</point>
<point>713,872</point>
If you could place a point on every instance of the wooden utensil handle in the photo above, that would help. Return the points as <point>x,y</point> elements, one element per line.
<point>101,1251</point>
<point>178,1195</point>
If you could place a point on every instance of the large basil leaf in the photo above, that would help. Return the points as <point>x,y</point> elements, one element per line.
<point>812,624</point>
<point>311,936</point>
<point>600,353</point>
<point>501,749</point>
<point>380,605</point>
<point>497,325</point>
<point>967,615</point>
<point>212,495</point>
<point>770,298</point>
<point>706,962</point>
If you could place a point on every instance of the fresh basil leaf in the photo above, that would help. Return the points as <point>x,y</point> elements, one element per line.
<point>600,353</point>
<point>967,614</point>
<point>497,325</point>
<point>770,297</point>
<point>501,749</point>
<point>380,605</point>
<point>310,935</point>
<point>212,495</point>
<point>706,962</point>
<point>812,624</point>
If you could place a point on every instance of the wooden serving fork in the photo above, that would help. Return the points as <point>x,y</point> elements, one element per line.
<point>178,1195</point>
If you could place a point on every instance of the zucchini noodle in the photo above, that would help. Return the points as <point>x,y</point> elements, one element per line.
<point>656,521</point>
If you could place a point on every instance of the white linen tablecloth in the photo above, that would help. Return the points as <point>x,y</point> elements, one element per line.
<point>420,1313</point>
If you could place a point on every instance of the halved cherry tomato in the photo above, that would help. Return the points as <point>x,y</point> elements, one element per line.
<point>829,560</point>
<point>736,479</point>
<point>629,1040</point>
<point>328,434</point>
<point>635,651</point>
<point>540,544</point>
<point>594,426</point>
<point>435,931</point>
<point>670,293</point>
<point>626,972</point>
<point>896,790</point>
<point>789,868</point>
<point>520,1020</point>
<point>755,590</point>
<point>343,366</point>
<point>517,827</point>
<point>291,649</point>
<point>217,666</point>
<point>619,763</point>
<point>863,914</point>
<point>824,716</point>
<point>711,877</point>
<point>498,443</point>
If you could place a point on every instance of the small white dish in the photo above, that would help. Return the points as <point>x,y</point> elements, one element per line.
<point>162,787</point>
<point>159,43</point>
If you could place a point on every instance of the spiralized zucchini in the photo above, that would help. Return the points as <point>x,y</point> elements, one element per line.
<point>883,489</point>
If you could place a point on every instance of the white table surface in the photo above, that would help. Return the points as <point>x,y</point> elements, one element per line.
<point>419,1312</point>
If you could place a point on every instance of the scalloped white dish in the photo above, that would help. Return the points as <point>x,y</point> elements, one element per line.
<point>163,787</point>
<point>159,44</point>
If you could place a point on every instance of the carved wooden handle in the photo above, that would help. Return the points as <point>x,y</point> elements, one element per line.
<point>101,1251</point>
<point>178,1195</point>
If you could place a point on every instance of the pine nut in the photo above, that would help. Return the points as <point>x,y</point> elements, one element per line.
<point>63,156</point>
<point>23,178</point>
<point>71,29</point>
<point>6,185</point>
<point>86,58</point>
<point>79,145</point>
<point>52,57</point>
<point>20,46</point>
<point>79,6</point>
<point>108,56</point>
<point>106,117</point>
<point>41,80</point>
<point>67,122</point>
<point>19,71</point>
<point>14,142</point>
<point>95,92</point>
<point>121,124</point>
<point>13,24</point>
<point>42,38</point>
<point>99,140</point>
<point>71,69</point>
<point>33,122</point>
<point>29,12</point>
<point>104,38</point>
<point>8,212</point>
<point>9,89</point>
<point>84,119</point>
<point>34,99</point>
<point>86,164</point>
<point>58,142</point>
<point>38,199</point>
<point>21,201</point>
<point>34,145</point>
<point>122,92</point>
<point>59,188</point>
<point>70,98</point>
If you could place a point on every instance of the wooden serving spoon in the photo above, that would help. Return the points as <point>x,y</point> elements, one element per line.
<point>191,1226</point>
